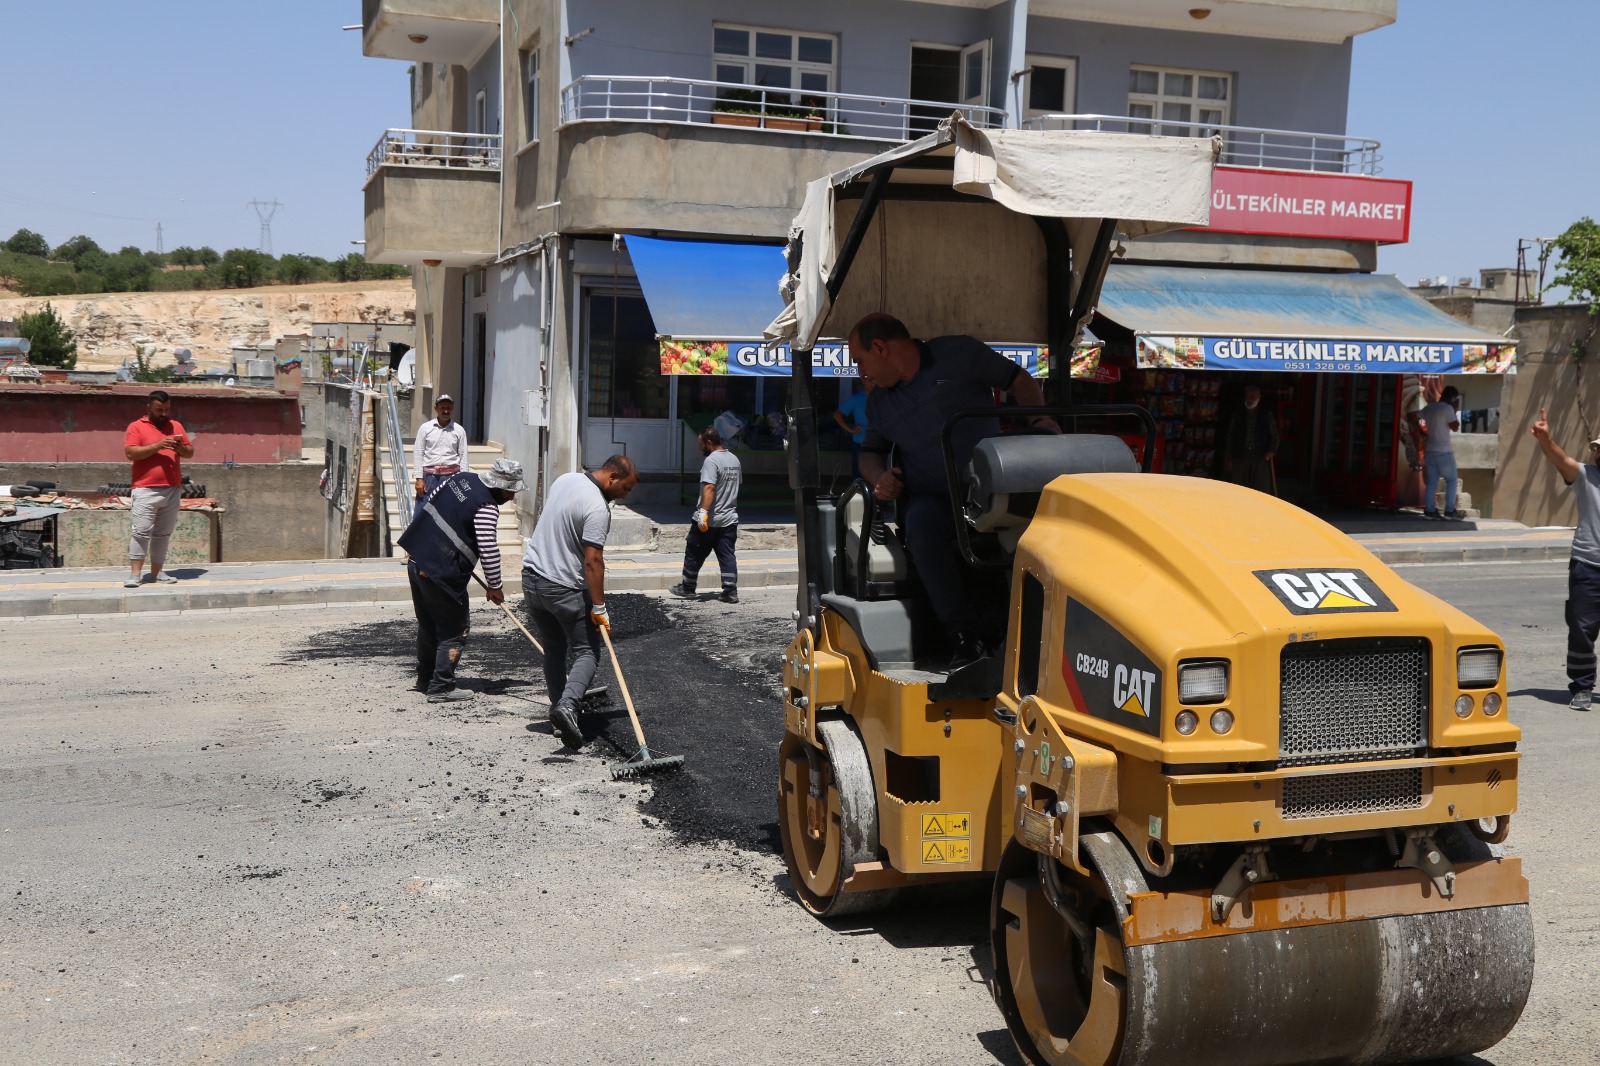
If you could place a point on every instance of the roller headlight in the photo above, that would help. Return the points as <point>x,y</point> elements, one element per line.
<point>1203,681</point>
<point>1187,722</point>
<point>1463,706</point>
<point>1221,721</point>
<point>1477,667</point>
<point>1491,704</point>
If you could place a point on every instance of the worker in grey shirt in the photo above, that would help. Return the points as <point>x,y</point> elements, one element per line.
<point>564,582</point>
<point>1583,571</point>
<point>1439,454</point>
<point>917,387</point>
<point>715,523</point>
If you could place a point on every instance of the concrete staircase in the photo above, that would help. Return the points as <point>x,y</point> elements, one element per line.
<point>1463,500</point>
<point>480,457</point>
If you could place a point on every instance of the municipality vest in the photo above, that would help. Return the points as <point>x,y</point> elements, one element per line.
<point>442,539</point>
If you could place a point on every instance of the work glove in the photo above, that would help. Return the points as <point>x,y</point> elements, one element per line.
<point>600,616</point>
<point>702,519</point>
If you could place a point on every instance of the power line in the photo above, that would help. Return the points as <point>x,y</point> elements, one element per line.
<point>265,210</point>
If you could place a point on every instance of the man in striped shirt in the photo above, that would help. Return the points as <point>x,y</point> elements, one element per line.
<point>454,531</point>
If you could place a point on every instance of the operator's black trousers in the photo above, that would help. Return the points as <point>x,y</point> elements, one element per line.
<point>716,539</point>
<point>1583,623</point>
<point>441,631</point>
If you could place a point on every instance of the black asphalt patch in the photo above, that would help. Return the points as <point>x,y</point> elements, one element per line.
<point>724,718</point>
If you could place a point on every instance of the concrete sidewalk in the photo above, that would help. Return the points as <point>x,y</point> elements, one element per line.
<point>220,586</point>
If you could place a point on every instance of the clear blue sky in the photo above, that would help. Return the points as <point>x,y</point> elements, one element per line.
<point>121,115</point>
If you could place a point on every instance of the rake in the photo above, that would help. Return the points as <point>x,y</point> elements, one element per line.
<point>642,761</point>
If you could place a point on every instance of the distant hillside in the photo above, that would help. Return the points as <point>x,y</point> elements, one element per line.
<point>211,322</point>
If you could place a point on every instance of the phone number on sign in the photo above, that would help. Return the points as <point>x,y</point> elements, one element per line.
<point>1326,368</point>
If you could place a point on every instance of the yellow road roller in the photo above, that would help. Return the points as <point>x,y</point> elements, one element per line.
<point>1236,784</point>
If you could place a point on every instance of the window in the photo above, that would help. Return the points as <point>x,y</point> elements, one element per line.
<point>530,94</point>
<point>1050,87</point>
<point>1187,103</point>
<point>774,59</point>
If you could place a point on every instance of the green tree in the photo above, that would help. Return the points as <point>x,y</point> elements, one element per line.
<point>27,242</point>
<point>145,371</point>
<point>184,256</point>
<point>243,268</point>
<point>296,269</point>
<point>1580,263</point>
<point>351,267</point>
<point>205,255</point>
<point>53,343</point>
<point>75,249</point>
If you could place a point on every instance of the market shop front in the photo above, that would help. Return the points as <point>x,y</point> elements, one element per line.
<point>1341,359</point>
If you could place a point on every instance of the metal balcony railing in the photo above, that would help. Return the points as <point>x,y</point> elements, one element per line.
<point>434,148</point>
<point>1243,146</point>
<point>594,98</point>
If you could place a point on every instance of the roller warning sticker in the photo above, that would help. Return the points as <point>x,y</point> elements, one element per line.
<point>1325,591</point>
<point>946,851</point>
<point>946,825</point>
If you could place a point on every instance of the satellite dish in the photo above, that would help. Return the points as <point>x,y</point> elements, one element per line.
<point>406,373</point>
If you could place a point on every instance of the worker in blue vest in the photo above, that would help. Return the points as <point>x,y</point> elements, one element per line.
<point>454,531</point>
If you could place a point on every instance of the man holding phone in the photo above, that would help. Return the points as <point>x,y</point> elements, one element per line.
<point>154,444</point>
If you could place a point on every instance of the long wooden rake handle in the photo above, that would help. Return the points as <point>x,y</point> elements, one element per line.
<point>622,683</point>
<point>513,616</point>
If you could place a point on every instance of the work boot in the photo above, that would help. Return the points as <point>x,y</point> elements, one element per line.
<point>968,650</point>
<point>1581,699</point>
<point>454,695</point>
<point>564,717</point>
<point>729,596</point>
<point>682,593</point>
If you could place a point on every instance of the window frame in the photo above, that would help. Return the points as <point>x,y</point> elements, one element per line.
<point>530,93</point>
<point>1067,64</point>
<point>796,66</point>
<point>1195,126</point>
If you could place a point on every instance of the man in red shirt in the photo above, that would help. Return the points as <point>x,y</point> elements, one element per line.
<point>155,444</point>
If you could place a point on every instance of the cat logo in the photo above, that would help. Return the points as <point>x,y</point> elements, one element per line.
<point>1326,591</point>
<point>1130,689</point>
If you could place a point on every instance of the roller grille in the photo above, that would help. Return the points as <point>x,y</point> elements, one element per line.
<point>1357,793</point>
<point>1349,700</point>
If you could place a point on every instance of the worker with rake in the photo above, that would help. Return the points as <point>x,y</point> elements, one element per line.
<point>564,582</point>
<point>454,531</point>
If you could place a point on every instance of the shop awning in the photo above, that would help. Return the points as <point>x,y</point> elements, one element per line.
<point>1195,318</point>
<point>708,289</point>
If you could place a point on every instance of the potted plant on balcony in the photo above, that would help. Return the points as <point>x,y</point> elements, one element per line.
<point>737,107</point>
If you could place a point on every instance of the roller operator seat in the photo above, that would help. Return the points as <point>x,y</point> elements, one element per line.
<point>1008,473</point>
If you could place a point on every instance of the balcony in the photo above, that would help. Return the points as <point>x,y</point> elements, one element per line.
<point>1325,21</point>
<point>683,101</point>
<point>1243,146</point>
<point>428,31</point>
<point>433,194</point>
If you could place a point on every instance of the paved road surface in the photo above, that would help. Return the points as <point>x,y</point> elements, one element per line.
<point>235,837</point>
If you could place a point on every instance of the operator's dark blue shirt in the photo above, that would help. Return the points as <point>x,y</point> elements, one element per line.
<point>957,373</point>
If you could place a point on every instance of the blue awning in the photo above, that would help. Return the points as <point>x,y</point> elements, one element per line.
<point>708,289</point>
<point>1210,318</point>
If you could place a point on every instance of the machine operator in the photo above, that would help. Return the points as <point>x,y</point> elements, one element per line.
<point>917,386</point>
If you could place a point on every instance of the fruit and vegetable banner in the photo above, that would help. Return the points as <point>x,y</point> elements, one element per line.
<point>1325,356</point>
<point>828,358</point>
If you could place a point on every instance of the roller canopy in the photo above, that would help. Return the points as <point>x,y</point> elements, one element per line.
<point>953,249</point>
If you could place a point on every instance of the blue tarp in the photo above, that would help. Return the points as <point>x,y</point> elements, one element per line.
<point>1229,319</point>
<point>708,289</point>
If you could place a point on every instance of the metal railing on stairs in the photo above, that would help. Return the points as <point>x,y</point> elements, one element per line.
<point>397,464</point>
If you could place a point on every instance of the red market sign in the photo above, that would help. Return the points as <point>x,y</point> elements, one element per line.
<point>1285,203</point>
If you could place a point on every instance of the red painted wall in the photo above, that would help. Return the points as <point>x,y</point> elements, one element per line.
<point>85,424</point>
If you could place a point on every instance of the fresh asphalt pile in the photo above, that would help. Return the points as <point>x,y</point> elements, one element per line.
<point>704,678</point>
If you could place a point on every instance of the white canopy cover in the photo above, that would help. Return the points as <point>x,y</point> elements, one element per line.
<point>962,266</point>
